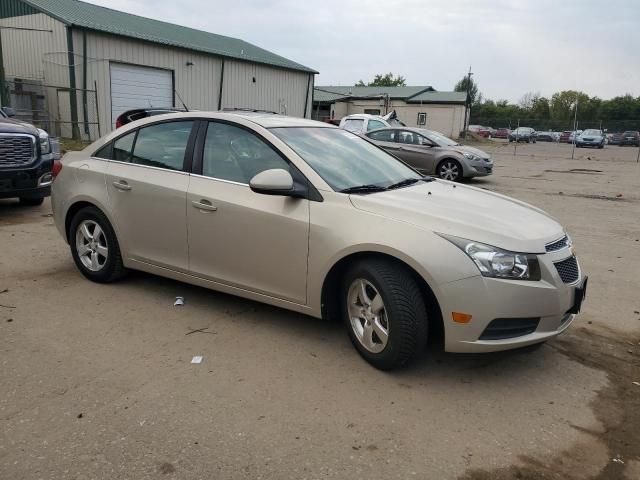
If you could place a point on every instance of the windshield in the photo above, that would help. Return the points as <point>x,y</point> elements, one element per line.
<point>591,132</point>
<point>438,138</point>
<point>344,160</point>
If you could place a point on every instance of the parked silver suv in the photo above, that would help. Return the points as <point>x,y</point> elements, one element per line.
<point>315,219</point>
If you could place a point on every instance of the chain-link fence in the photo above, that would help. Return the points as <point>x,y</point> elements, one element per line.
<point>547,125</point>
<point>52,108</point>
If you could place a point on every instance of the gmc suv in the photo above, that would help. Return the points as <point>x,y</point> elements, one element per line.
<point>26,160</point>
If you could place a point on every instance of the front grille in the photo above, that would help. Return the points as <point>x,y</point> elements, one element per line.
<point>503,328</point>
<point>558,244</point>
<point>568,270</point>
<point>16,149</point>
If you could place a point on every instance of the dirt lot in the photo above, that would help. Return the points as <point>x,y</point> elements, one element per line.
<point>97,382</point>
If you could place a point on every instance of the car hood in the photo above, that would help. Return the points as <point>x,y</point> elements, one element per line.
<point>466,212</point>
<point>9,125</point>
<point>465,149</point>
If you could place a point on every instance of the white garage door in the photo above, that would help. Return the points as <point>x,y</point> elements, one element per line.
<point>133,86</point>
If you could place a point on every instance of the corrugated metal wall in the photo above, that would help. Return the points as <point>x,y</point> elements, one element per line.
<point>250,85</point>
<point>198,85</point>
<point>23,50</point>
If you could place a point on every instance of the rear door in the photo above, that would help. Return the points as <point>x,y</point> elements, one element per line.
<point>147,183</point>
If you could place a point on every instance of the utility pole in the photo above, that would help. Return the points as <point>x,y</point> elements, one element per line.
<point>466,105</point>
<point>575,129</point>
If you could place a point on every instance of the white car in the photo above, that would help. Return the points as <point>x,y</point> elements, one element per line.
<point>362,123</point>
<point>313,218</point>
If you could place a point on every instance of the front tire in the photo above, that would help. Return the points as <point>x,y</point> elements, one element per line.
<point>385,313</point>
<point>450,169</point>
<point>94,246</point>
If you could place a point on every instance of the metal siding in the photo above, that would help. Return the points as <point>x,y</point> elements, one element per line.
<point>278,90</point>
<point>198,85</point>
<point>23,51</point>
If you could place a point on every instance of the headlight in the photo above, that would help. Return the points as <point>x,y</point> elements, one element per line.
<point>469,156</point>
<point>45,145</point>
<point>497,263</point>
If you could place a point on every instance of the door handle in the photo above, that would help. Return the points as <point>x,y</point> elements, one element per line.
<point>122,185</point>
<point>204,205</point>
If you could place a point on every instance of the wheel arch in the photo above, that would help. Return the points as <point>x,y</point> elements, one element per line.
<point>332,282</point>
<point>77,205</point>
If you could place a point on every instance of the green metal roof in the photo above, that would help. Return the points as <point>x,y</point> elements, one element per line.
<point>94,17</point>
<point>424,94</point>
<point>439,97</point>
<point>332,93</point>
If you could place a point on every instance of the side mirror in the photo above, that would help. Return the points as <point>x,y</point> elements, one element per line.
<point>9,112</point>
<point>273,182</point>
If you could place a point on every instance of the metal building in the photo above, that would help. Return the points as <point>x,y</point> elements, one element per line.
<point>415,106</point>
<point>73,67</point>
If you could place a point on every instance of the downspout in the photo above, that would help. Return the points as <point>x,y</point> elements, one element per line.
<point>221,83</point>
<point>85,110</point>
<point>4,96</point>
<point>72,85</point>
<point>306,98</point>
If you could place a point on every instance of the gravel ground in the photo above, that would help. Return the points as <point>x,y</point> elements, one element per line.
<point>97,381</point>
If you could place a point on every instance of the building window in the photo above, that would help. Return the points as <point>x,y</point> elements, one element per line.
<point>422,118</point>
<point>372,111</point>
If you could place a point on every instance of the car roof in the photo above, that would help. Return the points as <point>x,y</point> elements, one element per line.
<point>365,115</point>
<point>264,119</point>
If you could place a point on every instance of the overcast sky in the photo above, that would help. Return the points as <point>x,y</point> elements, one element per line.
<point>513,46</point>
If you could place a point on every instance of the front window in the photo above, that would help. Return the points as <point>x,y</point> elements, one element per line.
<point>439,139</point>
<point>591,132</point>
<point>344,160</point>
<point>374,125</point>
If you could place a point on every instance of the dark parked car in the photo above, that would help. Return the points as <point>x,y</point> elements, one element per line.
<point>614,138</point>
<point>630,137</point>
<point>502,133</point>
<point>523,134</point>
<point>591,138</point>
<point>140,113</point>
<point>545,137</point>
<point>26,160</point>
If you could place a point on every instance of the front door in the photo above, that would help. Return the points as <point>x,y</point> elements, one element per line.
<point>416,150</point>
<point>239,237</point>
<point>147,185</point>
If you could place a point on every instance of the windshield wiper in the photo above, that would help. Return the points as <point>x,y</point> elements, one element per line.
<point>404,183</point>
<point>364,189</point>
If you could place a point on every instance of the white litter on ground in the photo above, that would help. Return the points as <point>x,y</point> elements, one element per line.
<point>179,302</point>
<point>197,359</point>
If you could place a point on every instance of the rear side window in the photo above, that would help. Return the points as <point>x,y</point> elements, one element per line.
<point>374,125</point>
<point>353,124</point>
<point>162,145</point>
<point>122,147</point>
<point>104,152</point>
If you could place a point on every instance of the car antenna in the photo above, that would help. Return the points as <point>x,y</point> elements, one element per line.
<point>181,101</point>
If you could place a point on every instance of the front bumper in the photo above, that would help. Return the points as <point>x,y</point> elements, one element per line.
<point>33,181</point>
<point>549,301</point>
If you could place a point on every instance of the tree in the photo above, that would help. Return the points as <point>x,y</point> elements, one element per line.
<point>384,80</point>
<point>461,86</point>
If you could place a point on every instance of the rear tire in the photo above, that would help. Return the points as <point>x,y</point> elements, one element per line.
<point>381,296</point>
<point>31,202</point>
<point>94,246</point>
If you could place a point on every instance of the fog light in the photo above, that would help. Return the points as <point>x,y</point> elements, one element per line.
<point>461,317</point>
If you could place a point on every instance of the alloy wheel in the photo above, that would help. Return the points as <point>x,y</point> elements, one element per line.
<point>449,171</point>
<point>367,315</point>
<point>91,245</point>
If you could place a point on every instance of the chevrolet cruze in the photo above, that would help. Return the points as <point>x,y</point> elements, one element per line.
<point>315,219</point>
